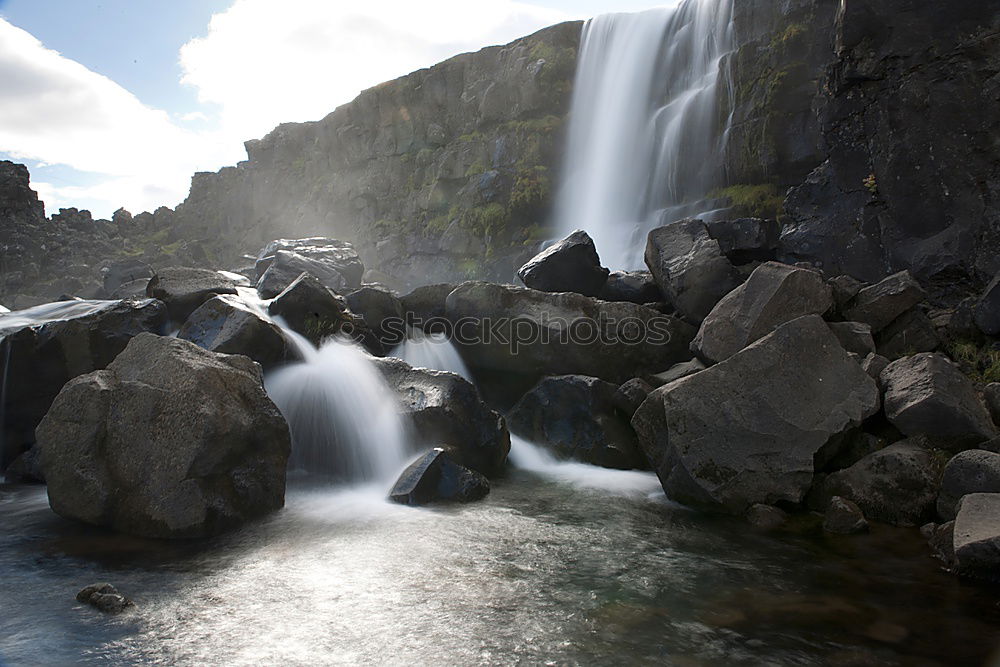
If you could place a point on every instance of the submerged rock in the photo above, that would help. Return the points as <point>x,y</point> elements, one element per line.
<point>104,597</point>
<point>976,538</point>
<point>766,517</point>
<point>844,517</point>
<point>225,324</point>
<point>569,265</point>
<point>171,441</point>
<point>436,477</point>
<point>184,289</point>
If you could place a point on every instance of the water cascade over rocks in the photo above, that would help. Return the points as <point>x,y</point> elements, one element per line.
<point>432,351</point>
<point>647,134</point>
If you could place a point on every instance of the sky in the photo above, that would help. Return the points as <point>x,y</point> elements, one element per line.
<point>116,103</point>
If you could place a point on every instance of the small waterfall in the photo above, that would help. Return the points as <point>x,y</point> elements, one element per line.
<point>648,124</point>
<point>343,416</point>
<point>433,351</point>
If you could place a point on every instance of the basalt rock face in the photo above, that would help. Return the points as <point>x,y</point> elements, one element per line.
<point>909,120</point>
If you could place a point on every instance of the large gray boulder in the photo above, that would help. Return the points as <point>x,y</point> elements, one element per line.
<point>879,304</point>
<point>184,289</point>
<point>746,240</point>
<point>446,411</point>
<point>756,427</point>
<point>774,294</point>
<point>575,417</point>
<point>310,309</point>
<point>855,337</point>
<point>910,333</point>
<point>926,394</point>
<point>334,263</point>
<point>425,306</point>
<point>227,325</point>
<point>569,265</point>
<point>631,286</point>
<point>897,485</point>
<point>383,316</point>
<point>171,441</point>
<point>690,268</point>
<point>516,330</point>
<point>972,471</point>
<point>976,538</point>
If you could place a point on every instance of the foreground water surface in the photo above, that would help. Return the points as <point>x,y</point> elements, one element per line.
<point>568,565</point>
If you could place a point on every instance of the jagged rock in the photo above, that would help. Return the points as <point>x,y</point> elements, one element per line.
<point>26,468</point>
<point>313,311</point>
<point>135,289</point>
<point>881,303</point>
<point>766,517</point>
<point>631,286</point>
<point>569,265</point>
<point>171,441</point>
<point>227,325</point>
<point>631,395</point>
<point>328,260</point>
<point>844,517</point>
<point>383,316</point>
<point>910,333</point>
<point>855,337</point>
<point>184,289</point>
<point>676,372</point>
<point>435,477</point>
<point>897,485</point>
<point>45,347</point>
<point>286,267</point>
<point>117,274</point>
<point>747,239</point>
<point>517,330</point>
<point>972,471</point>
<point>690,268</point>
<point>976,538</point>
<point>750,429</point>
<point>874,364</point>
<point>845,288</point>
<point>987,312</point>
<point>855,446</point>
<point>446,410</point>
<point>105,598</point>
<point>575,417</point>
<point>774,294</point>
<point>926,394</point>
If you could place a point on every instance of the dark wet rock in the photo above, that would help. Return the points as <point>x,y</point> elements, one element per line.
<point>446,410</point>
<point>26,468</point>
<point>334,263</point>
<point>225,324</point>
<point>972,471</point>
<point>766,517</point>
<point>436,477</point>
<point>517,330</point>
<point>690,268</point>
<point>119,273</point>
<point>874,364</point>
<point>676,372</point>
<point>631,286</point>
<point>897,485</point>
<point>135,289</point>
<point>631,395</point>
<point>927,394</point>
<point>774,294</point>
<point>909,334</point>
<point>977,536</point>
<point>855,337</point>
<point>747,239</point>
<point>313,311</point>
<point>569,265</point>
<point>941,538</point>
<point>750,429</point>
<point>105,598</point>
<point>39,358</point>
<point>845,288</point>
<point>575,417</point>
<point>879,304</point>
<point>184,289</point>
<point>844,517</point>
<point>383,316</point>
<point>171,441</point>
<point>987,311</point>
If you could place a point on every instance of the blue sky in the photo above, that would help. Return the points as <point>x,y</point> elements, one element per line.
<point>118,102</point>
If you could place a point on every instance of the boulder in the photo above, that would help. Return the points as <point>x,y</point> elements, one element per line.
<point>845,288</point>
<point>135,289</point>
<point>574,416</point>
<point>987,310</point>
<point>631,286</point>
<point>383,316</point>
<point>910,333</point>
<point>747,239</point>
<point>926,394</point>
<point>569,265</point>
<point>976,539</point>
<point>436,477</point>
<point>171,441</point>
<point>43,348</point>
<point>755,428</point>
<point>992,396</point>
<point>676,372</point>
<point>690,268</point>
<point>972,471</point>
<point>897,485</point>
<point>774,294</point>
<point>313,311</point>
<point>516,330</point>
<point>631,395</point>
<point>334,263</point>
<point>26,468</point>
<point>228,325</point>
<point>854,336</point>
<point>104,597</point>
<point>854,446</point>
<point>874,364</point>
<point>446,410</point>
<point>287,266</point>
<point>941,538</point>
<point>766,517</point>
<point>184,289</point>
<point>844,517</point>
<point>879,304</point>
<point>126,271</point>
<point>425,307</point>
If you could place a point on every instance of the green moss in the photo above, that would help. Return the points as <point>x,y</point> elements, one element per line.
<point>754,201</point>
<point>475,169</point>
<point>791,31</point>
<point>978,361</point>
<point>530,191</point>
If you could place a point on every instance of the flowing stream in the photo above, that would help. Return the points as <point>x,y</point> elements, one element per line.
<point>433,351</point>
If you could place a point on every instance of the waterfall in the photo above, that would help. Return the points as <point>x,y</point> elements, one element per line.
<point>648,124</point>
<point>433,351</point>
<point>343,417</point>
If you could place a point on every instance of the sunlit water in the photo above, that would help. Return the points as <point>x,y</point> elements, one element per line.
<point>433,351</point>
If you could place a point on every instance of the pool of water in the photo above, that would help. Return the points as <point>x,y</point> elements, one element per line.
<point>562,566</point>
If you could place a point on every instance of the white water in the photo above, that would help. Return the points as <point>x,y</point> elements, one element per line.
<point>343,417</point>
<point>51,312</point>
<point>645,145</point>
<point>431,351</point>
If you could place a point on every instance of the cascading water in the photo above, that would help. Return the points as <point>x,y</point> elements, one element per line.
<point>648,124</point>
<point>433,351</point>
